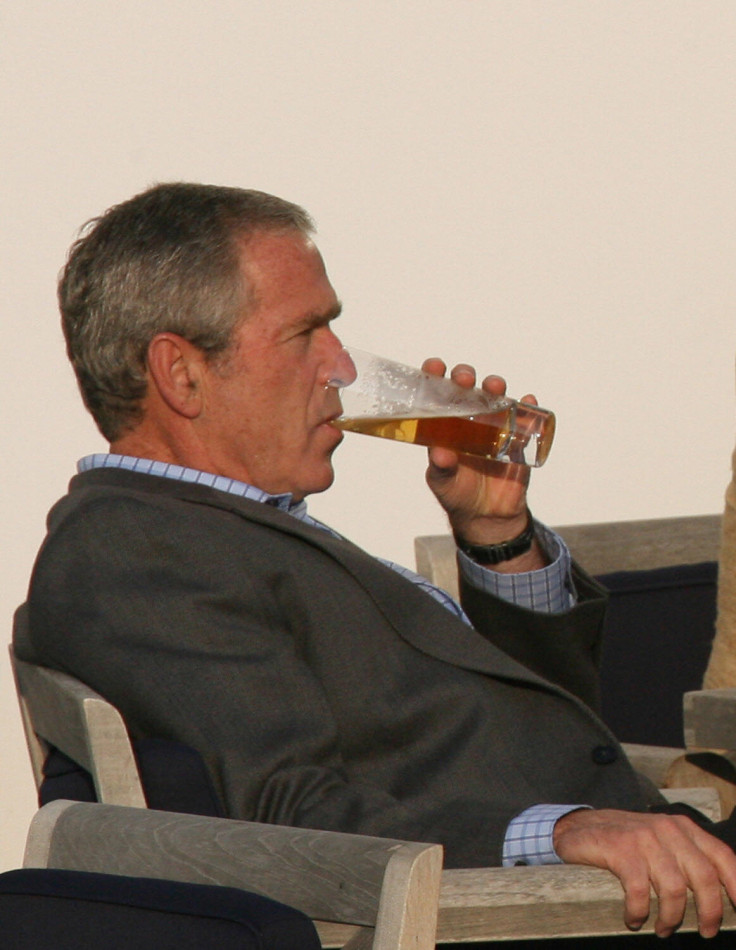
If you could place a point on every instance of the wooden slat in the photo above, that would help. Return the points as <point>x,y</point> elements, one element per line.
<point>535,902</point>
<point>435,556</point>
<point>407,912</point>
<point>336,935</point>
<point>645,544</point>
<point>661,765</point>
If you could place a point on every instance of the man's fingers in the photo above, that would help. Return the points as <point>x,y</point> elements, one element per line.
<point>709,905</point>
<point>662,873</point>
<point>464,375</point>
<point>667,853</point>
<point>637,894</point>
<point>495,385</point>
<point>443,461</point>
<point>671,889</point>
<point>722,858</point>
<point>712,869</point>
<point>530,399</point>
<point>434,366</point>
<point>675,865</point>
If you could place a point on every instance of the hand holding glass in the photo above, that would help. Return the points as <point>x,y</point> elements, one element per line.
<point>398,402</point>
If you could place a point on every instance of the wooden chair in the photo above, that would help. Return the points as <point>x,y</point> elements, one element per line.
<point>474,904</point>
<point>348,884</point>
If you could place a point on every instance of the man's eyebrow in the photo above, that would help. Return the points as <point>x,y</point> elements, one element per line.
<point>322,318</point>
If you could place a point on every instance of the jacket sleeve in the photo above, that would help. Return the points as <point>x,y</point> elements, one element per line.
<point>563,648</point>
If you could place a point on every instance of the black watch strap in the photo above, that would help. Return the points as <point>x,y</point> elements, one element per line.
<point>496,553</point>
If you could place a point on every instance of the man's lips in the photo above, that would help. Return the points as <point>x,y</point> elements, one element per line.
<point>328,420</point>
<point>328,424</point>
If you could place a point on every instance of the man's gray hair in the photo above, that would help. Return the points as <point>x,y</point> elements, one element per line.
<point>167,260</point>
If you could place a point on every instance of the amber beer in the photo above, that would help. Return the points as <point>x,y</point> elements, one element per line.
<point>516,433</point>
<point>385,398</point>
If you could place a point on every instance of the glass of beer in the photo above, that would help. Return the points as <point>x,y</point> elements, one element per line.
<point>387,399</point>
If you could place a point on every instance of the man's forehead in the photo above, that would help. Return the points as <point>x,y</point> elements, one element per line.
<point>284,272</point>
<point>269,250</point>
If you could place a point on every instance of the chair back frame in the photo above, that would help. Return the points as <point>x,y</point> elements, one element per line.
<point>58,710</point>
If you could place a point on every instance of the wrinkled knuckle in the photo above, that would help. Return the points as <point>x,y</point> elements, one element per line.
<point>708,877</point>
<point>645,838</point>
<point>710,916</point>
<point>671,824</point>
<point>721,851</point>
<point>673,892</point>
<point>638,894</point>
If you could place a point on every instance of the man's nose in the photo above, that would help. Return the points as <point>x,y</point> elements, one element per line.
<point>343,372</point>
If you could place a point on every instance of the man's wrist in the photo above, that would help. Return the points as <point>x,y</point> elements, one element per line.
<point>530,836</point>
<point>502,551</point>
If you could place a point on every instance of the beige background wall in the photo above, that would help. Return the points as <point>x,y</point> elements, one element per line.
<point>544,187</point>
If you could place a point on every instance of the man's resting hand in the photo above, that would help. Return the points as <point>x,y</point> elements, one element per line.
<point>669,853</point>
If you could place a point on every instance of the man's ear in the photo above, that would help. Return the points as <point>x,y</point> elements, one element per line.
<point>175,368</point>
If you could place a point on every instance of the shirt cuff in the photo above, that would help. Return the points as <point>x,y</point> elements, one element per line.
<point>529,836</point>
<point>547,590</point>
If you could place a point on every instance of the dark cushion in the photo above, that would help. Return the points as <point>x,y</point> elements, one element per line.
<point>657,640</point>
<point>173,776</point>
<point>63,778</point>
<point>78,910</point>
<point>75,910</point>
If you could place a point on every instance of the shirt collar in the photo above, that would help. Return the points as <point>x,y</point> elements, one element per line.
<point>180,473</point>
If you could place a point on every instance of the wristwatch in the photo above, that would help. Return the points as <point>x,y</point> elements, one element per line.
<point>496,553</point>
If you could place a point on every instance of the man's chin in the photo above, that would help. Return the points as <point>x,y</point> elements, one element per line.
<point>319,484</point>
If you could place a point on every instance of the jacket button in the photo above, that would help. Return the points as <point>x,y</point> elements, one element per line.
<point>604,754</point>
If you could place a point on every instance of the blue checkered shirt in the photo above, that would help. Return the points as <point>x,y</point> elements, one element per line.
<point>529,836</point>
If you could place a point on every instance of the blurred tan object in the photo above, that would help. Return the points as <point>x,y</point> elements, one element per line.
<point>721,670</point>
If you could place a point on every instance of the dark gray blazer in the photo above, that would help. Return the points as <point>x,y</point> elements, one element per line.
<point>321,688</point>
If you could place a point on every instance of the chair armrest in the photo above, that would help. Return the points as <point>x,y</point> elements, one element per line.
<point>337,877</point>
<point>536,902</point>
<point>388,885</point>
